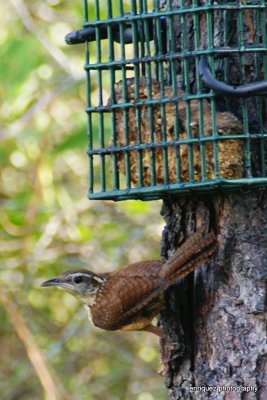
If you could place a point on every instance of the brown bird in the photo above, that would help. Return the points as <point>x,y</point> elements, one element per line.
<point>150,121</point>
<point>131,297</point>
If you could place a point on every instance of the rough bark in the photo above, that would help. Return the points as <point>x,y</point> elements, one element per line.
<point>215,321</point>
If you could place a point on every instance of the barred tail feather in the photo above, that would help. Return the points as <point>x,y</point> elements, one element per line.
<point>195,251</point>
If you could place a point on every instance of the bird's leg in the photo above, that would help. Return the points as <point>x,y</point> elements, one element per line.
<point>154,329</point>
<point>166,349</point>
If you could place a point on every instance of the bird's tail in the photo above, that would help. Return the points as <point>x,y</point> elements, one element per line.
<point>194,252</point>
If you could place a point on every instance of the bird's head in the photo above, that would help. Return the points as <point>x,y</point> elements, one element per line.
<point>82,284</point>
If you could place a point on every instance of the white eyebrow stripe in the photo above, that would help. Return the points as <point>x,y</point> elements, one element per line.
<point>82,274</point>
<point>78,274</point>
<point>98,279</point>
<point>95,277</point>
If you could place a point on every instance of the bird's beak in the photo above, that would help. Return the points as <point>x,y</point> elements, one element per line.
<point>54,282</point>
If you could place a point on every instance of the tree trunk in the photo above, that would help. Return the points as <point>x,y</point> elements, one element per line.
<point>214,321</point>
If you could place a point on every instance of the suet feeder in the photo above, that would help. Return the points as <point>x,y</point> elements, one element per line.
<point>176,96</point>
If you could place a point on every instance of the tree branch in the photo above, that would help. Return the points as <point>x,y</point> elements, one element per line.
<point>34,353</point>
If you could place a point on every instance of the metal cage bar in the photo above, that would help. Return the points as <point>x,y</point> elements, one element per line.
<point>154,128</point>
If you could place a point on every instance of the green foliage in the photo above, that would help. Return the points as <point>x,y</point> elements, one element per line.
<point>47,225</point>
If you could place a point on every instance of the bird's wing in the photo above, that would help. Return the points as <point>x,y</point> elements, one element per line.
<point>131,289</point>
<point>124,295</point>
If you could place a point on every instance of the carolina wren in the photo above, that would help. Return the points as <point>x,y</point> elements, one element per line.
<point>130,298</point>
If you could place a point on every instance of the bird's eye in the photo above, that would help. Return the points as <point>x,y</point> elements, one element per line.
<point>78,279</point>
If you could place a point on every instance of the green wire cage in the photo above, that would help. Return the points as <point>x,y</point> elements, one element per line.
<point>175,96</point>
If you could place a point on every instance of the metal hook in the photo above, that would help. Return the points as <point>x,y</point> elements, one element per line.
<point>88,34</point>
<point>250,89</point>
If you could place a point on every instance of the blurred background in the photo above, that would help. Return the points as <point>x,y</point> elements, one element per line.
<point>47,225</point>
